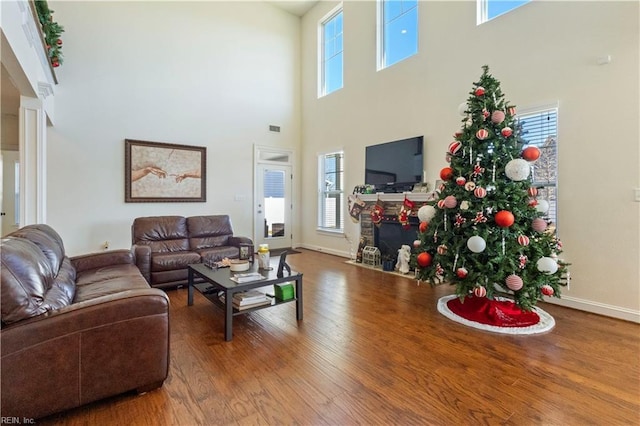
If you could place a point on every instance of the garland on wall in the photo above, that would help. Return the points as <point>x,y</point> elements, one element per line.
<point>52,31</point>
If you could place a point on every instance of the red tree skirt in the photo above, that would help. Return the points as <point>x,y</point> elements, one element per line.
<point>500,315</point>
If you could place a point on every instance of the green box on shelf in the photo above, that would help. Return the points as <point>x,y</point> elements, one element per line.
<point>284,291</point>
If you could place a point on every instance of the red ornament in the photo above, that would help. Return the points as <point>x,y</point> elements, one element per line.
<point>479,91</point>
<point>533,202</point>
<point>497,116</point>
<point>460,180</point>
<point>532,191</point>
<point>440,204</point>
<point>59,42</point>
<point>55,64</point>
<point>480,291</point>
<point>523,240</point>
<point>446,173</point>
<point>547,290</point>
<point>480,192</point>
<point>485,114</point>
<point>512,111</point>
<point>423,227</point>
<point>450,202</point>
<point>482,134</point>
<point>506,132</point>
<point>531,153</point>
<point>514,282</point>
<point>504,218</point>
<point>442,249</point>
<point>424,259</point>
<point>462,273</point>
<point>539,224</point>
<point>454,147</point>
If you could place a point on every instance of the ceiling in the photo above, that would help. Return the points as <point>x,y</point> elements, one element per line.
<point>296,7</point>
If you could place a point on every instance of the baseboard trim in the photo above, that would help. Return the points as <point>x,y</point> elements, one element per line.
<point>597,308</point>
<point>566,301</point>
<point>341,253</point>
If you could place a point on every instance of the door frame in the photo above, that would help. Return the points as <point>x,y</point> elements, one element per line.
<point>271,156</point>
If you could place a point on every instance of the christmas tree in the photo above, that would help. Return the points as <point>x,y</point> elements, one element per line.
<point>487,233</point>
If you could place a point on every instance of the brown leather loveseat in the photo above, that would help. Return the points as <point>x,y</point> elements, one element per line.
<point>164,246</point>
<point>75,330</point>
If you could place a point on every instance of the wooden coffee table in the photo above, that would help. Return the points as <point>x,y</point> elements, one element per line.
<point>218,281</point>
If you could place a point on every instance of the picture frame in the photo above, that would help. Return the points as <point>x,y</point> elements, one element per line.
<point>246,252</point>
<point>283,265</point>
<point>164,172</point>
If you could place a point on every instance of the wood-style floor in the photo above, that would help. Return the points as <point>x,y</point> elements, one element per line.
<point>373,350</point>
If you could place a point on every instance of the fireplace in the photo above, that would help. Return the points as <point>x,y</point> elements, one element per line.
<point>390,235</point>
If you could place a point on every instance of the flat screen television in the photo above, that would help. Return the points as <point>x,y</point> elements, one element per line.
<point>394,166</point>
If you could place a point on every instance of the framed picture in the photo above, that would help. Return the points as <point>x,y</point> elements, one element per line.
<point>164,172</point>
<point>246,252</point>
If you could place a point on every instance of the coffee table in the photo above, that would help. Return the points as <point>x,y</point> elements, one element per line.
<point>218,281</point>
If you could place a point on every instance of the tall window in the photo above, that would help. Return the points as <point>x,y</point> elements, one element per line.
<point>331,190</point>
<point>540,128</point>
<point>489,9</point>
<point>331,55</point>
<point>397,31</point>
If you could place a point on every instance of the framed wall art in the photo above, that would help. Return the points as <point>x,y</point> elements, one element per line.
<point>164,172</point>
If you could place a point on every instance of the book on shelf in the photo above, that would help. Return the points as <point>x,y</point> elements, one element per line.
<point>249,298</point>
<point>247,278</point>
<point>253,305</point>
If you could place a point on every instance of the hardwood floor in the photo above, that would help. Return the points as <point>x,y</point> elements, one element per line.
<point>372,349</point>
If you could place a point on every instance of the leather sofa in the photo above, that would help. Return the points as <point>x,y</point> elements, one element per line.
<point>75,330</point>
<point>164,246</point>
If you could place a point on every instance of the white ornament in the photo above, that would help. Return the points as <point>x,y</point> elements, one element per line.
<point>464,205</point>
<point>426,213</point>
<point>542,206</point>
<point>476,244</point>
<point>517,169</point>
<point>547,265</point>
<point>462,108</point>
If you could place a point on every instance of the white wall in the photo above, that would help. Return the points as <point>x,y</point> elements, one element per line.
<point>542,52</point>
<point>212,74</point>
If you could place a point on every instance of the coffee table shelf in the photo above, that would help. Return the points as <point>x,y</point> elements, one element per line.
<point>218,281</point>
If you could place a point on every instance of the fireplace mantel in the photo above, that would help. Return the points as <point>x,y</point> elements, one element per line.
<point>398,197</point>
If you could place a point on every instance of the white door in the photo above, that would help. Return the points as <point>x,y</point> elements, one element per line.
<point>9,161</point>
<point>273,203</point>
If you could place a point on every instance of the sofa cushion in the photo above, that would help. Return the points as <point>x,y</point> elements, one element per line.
<point>108,280</point>
<point>161,233</point>
<point>171,261</point>
<point>29,287</point>
<point>47,239</point>
<point>219,253</point>
<point>209,231</point>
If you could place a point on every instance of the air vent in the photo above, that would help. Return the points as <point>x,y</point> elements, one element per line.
<point>273,128</point>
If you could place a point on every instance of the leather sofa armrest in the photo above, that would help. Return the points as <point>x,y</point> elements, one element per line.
<point>101,259</point>
<point>236,241</point>
<point>142,259</point>
<point>101,347</point>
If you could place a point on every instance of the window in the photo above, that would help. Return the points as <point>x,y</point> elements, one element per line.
<point>397,31</point>
<point>330,190</point>
<point>489,9</point>
<point>331,55</point>
<point>540,128</point>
